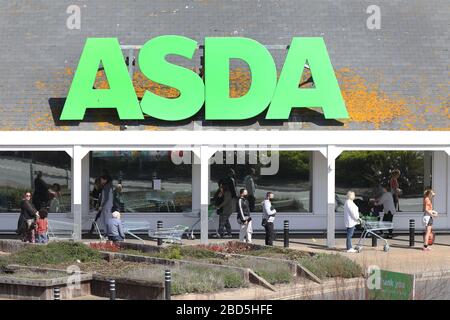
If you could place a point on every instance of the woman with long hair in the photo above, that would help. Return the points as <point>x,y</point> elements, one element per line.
<point>428,215</point>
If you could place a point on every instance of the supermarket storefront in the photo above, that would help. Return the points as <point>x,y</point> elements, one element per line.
<point>309,172</point>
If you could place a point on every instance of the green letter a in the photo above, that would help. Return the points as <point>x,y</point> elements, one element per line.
<point>326,93</point>
<point>121,94</point>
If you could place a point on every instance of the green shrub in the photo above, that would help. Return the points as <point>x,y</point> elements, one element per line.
<point>198,253</point>
<point>272,271</point>
<point>186,252</point>
<point>200,279</point>
<point>55,253</point>
<point>331,265</point>
<point>232,279</point>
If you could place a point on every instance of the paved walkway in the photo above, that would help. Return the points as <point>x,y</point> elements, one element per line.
<point>400,258</point>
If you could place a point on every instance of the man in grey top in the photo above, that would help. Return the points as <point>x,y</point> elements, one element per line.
<point>114,228</point>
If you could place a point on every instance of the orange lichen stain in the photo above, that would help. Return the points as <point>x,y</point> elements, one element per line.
<point>106,126</point>
<point>40,85</point>
<point>366,103</point>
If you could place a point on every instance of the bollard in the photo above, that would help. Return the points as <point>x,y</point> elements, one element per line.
<point>56,294</point>
<point>374,240</point>
<point>412,232</point>
<point>167,283</point>
<point>286,233</point>
<point>159,225</point>
<point>112,289</point>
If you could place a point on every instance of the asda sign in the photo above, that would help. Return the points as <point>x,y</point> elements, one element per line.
<point>280,96</point>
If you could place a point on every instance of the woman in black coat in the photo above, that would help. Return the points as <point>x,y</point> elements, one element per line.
<point>27,219</point>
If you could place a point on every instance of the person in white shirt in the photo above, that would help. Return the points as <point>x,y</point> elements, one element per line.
<point>387,201</point>
<point>268,218</point>
<point>351,219</point>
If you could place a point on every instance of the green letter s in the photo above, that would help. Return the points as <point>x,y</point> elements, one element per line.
<point>121,94</point>
<point>154,66</point>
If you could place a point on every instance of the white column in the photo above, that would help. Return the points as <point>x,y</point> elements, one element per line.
<point>204,193</point>
<point>85,189</point>
<point>440,181</point>
<point>77,189</point>
<point>196,182</point>
<point>448,188</point>
<point>332,154</point>
<point>319,183</point>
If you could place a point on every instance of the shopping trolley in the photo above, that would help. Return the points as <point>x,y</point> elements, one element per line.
<point>196,214</point>
<point>370,227</point>
<point>172,235</point>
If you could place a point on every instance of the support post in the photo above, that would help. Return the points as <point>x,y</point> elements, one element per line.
<point>112,289</point>
<point>412,232</point>
<point>286,233</point>
<point>77,189</point>
<point>204,193</point>
<point>332,154</point>
<point>167,284</point>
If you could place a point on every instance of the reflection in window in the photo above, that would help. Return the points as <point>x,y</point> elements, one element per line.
<point>366,172</point>
<point>144,181</point>
<point>45,173</point>
<point>285,173</point>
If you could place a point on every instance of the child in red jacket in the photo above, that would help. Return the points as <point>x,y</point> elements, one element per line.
<point>42,227</point>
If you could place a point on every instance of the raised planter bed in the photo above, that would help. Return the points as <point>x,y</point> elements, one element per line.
<point>132,289</point>
<point>30,283</point>
<point>262,268</point>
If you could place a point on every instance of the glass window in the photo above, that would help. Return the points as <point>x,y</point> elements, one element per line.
<point>285,173</point>
<point>45,173</point>
<point>406,174</point>
<point>144,181</point>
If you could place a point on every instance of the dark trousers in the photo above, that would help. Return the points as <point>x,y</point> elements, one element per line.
<point>270,234</point>
<point>224,223</point>
<point>251,202</point>
<point>389,217</point>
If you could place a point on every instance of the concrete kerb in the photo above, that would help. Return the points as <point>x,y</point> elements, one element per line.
<point>12,246</point>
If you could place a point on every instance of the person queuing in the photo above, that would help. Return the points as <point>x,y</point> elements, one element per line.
<point>395,188</point>
<point>118,201</point>
<point>27,219</point>
<point>42,192</point>
<point>225,209</point>
<point>42,227</point>
<point>268,218</point>
<point>230,181</point>
<point>351,219</point>
<point>428,216</point>
<point>250,185</point>
<point>243,217</point>
<point>387,201</point>
<point>114,229</point>
<point>106,203</point>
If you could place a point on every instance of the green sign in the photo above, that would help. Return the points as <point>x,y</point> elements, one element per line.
<point>279,96</point>
<point>387,285</point>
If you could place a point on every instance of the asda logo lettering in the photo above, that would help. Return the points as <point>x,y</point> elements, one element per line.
<point>265,91</point>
